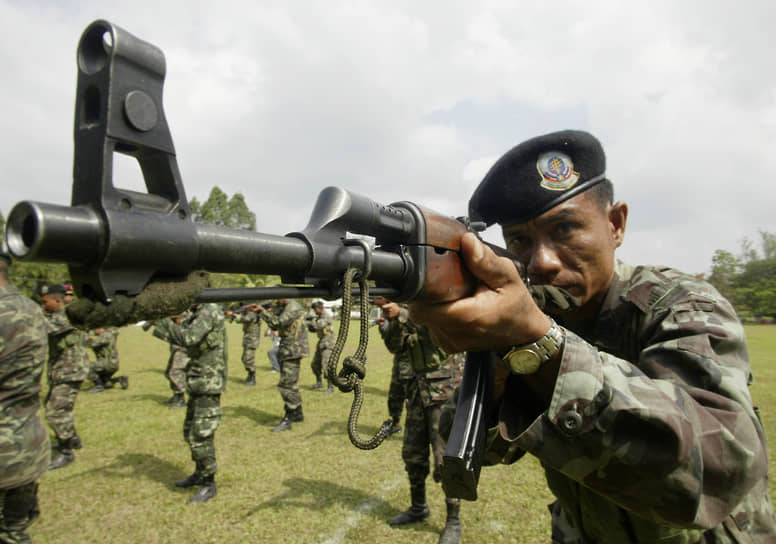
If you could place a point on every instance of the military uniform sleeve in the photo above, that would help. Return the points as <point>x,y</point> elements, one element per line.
<point>673,435</point>
<point>290,313</point>
<point>162,329</point>
<point>195,330</point>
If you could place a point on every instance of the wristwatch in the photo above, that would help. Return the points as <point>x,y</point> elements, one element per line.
<point>527,359</point>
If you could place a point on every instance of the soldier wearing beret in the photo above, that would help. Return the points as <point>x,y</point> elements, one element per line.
<point>68,366</point>
<point>635,399</point>
<point>24,442</point>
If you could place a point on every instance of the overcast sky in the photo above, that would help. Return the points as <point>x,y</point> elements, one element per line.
<point>408,100</point>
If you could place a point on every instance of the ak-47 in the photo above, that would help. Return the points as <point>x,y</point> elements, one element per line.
<point>119,243</point>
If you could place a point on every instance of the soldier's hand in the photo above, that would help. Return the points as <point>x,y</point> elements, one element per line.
<point>391,310</point>
<point>501,313</point>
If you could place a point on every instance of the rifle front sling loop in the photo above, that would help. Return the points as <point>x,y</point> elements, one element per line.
<point>354,367</point>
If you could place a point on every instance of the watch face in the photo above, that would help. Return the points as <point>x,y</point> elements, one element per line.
<point>524,361</point>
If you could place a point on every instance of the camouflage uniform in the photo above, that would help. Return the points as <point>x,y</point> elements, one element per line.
<point>288,320</point>
<point>176,369</point>
<point>68,367</point>
<point>203,334</point>
<point>105,347</point>
<point>24,441</point>
<point>250,341</point>
<point>322,325</point>
<point>436,375</point>
<point>401,375</point>
<point>651,413</point>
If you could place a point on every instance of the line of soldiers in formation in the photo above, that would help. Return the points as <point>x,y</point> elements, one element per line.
<point>423,378</point>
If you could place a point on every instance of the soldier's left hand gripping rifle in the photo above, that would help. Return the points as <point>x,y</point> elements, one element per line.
<point>139,256</point>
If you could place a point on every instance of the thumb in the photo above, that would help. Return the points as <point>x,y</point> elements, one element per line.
<point>488,267</point>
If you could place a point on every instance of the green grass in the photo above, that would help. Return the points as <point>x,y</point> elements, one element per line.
<point>306,485</point>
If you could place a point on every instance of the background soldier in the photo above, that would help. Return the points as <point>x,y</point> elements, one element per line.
<point>24,442</point>
<point>203,334</point>
<point>287,317</point>
<point>68,367</point>
<point>401,373</point>
<point>104,343</point>
<point>175,372</point>
<point>251,336</point>
<point>435,376</point>
<point>321,324</point>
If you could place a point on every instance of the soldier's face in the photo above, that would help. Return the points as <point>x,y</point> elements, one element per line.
<point>571,246</point>
<point>51,303</point>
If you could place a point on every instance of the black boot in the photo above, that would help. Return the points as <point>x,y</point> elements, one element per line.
<point>317,385</point>
<point>451,534</point>
<point>99,386</point>
<point>75,442</point>
<point>395,426</point>
<point>178,401</point>
<point>206,491</point>
<point>63,458</point>
<point>251,379</point>
<point>296,414</point>
<point>123,381</point>
<point>329,389</point>
<point>418,511</point>
<point>284,425</point>
<point>191,481</point>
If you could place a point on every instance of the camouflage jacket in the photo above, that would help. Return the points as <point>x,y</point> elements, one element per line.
<point>24,441</point>
<point>105,344</point>
<point>68,361</point>
<point>651,435</point>
<point>323,326</point>
<point>288,320</point>
<point>251,328</point>
<point>435,372</point>
<point>203,334</point>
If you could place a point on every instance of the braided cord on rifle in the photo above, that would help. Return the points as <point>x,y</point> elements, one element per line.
<point>354,367</point>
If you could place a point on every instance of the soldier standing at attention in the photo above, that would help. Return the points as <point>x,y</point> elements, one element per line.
<point>321,324</point>
<point>203,334</point>
<point>287,317</point>
<point>435,377</point>
<point>401,372</point>
<point>24,441</point>
<point>104,343</point>
<point>250,342</point>
<point>68,367</point>
<point>635,399</point>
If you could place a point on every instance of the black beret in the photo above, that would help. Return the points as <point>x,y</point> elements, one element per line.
<point>318,304</point>
<point>537,175</point>
<point>53,289</point>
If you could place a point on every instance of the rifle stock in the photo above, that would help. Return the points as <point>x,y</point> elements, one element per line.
<point>115,240</point>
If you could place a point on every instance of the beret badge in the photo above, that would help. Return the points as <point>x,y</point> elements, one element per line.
<point>557,171</point>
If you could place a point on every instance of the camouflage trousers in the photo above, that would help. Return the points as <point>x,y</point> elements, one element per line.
<point>288,385</point>
<point>176,371</point>
<point>19,509</point>
<point>320,360</point>
<point>60,403</point>
<point>397,393</point>
<point>421,434</point>
<point>203,416</point>
<point>249,358</point>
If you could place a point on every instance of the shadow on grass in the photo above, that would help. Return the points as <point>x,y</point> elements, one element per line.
<point>139,465</point>
<point>157,399</point>
<point>259,417</point>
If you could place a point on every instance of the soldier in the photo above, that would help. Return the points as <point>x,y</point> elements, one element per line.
<point>401,372</point>
<point>104,342</point>
<point>435,377</point>
<point>24,442</point>
<point>175,372</point>
<point>635,396</point>
<point>287,317</point>
<point>68,367</point>
<point>250,341</point>
<point>321,324</point>
<point>203,334</point>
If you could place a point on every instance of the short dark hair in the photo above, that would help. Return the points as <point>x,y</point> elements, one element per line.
<point>602,193</point>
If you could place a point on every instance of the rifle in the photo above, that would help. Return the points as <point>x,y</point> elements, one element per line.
<point>117,242</point>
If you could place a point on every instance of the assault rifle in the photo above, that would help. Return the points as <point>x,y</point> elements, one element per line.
<point>116,242</point>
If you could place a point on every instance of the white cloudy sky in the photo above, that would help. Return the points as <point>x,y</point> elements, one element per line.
<point>408,100</point>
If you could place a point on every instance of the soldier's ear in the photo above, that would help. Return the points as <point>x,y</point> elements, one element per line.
<point>618,219</point>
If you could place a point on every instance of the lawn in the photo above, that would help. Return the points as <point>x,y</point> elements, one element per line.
<point>307,485</point>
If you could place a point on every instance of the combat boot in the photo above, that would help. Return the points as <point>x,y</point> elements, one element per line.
<point>251,379</point>
<point>63,458</point>
<point>296,414</point>
<point>99,386</point>
<point>317,385</point>
<point>418,510</point>
<point>284,425</point>
<point>75,442</point>
<point>451,534</point>
<point>179,401</point>
<point>191,481</point>
<point>206,491</point>
<point>395,426</point>
<point>329,389</point>
<point>123,381</point>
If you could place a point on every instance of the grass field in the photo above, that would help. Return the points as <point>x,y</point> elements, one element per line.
<point>308,485</point>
